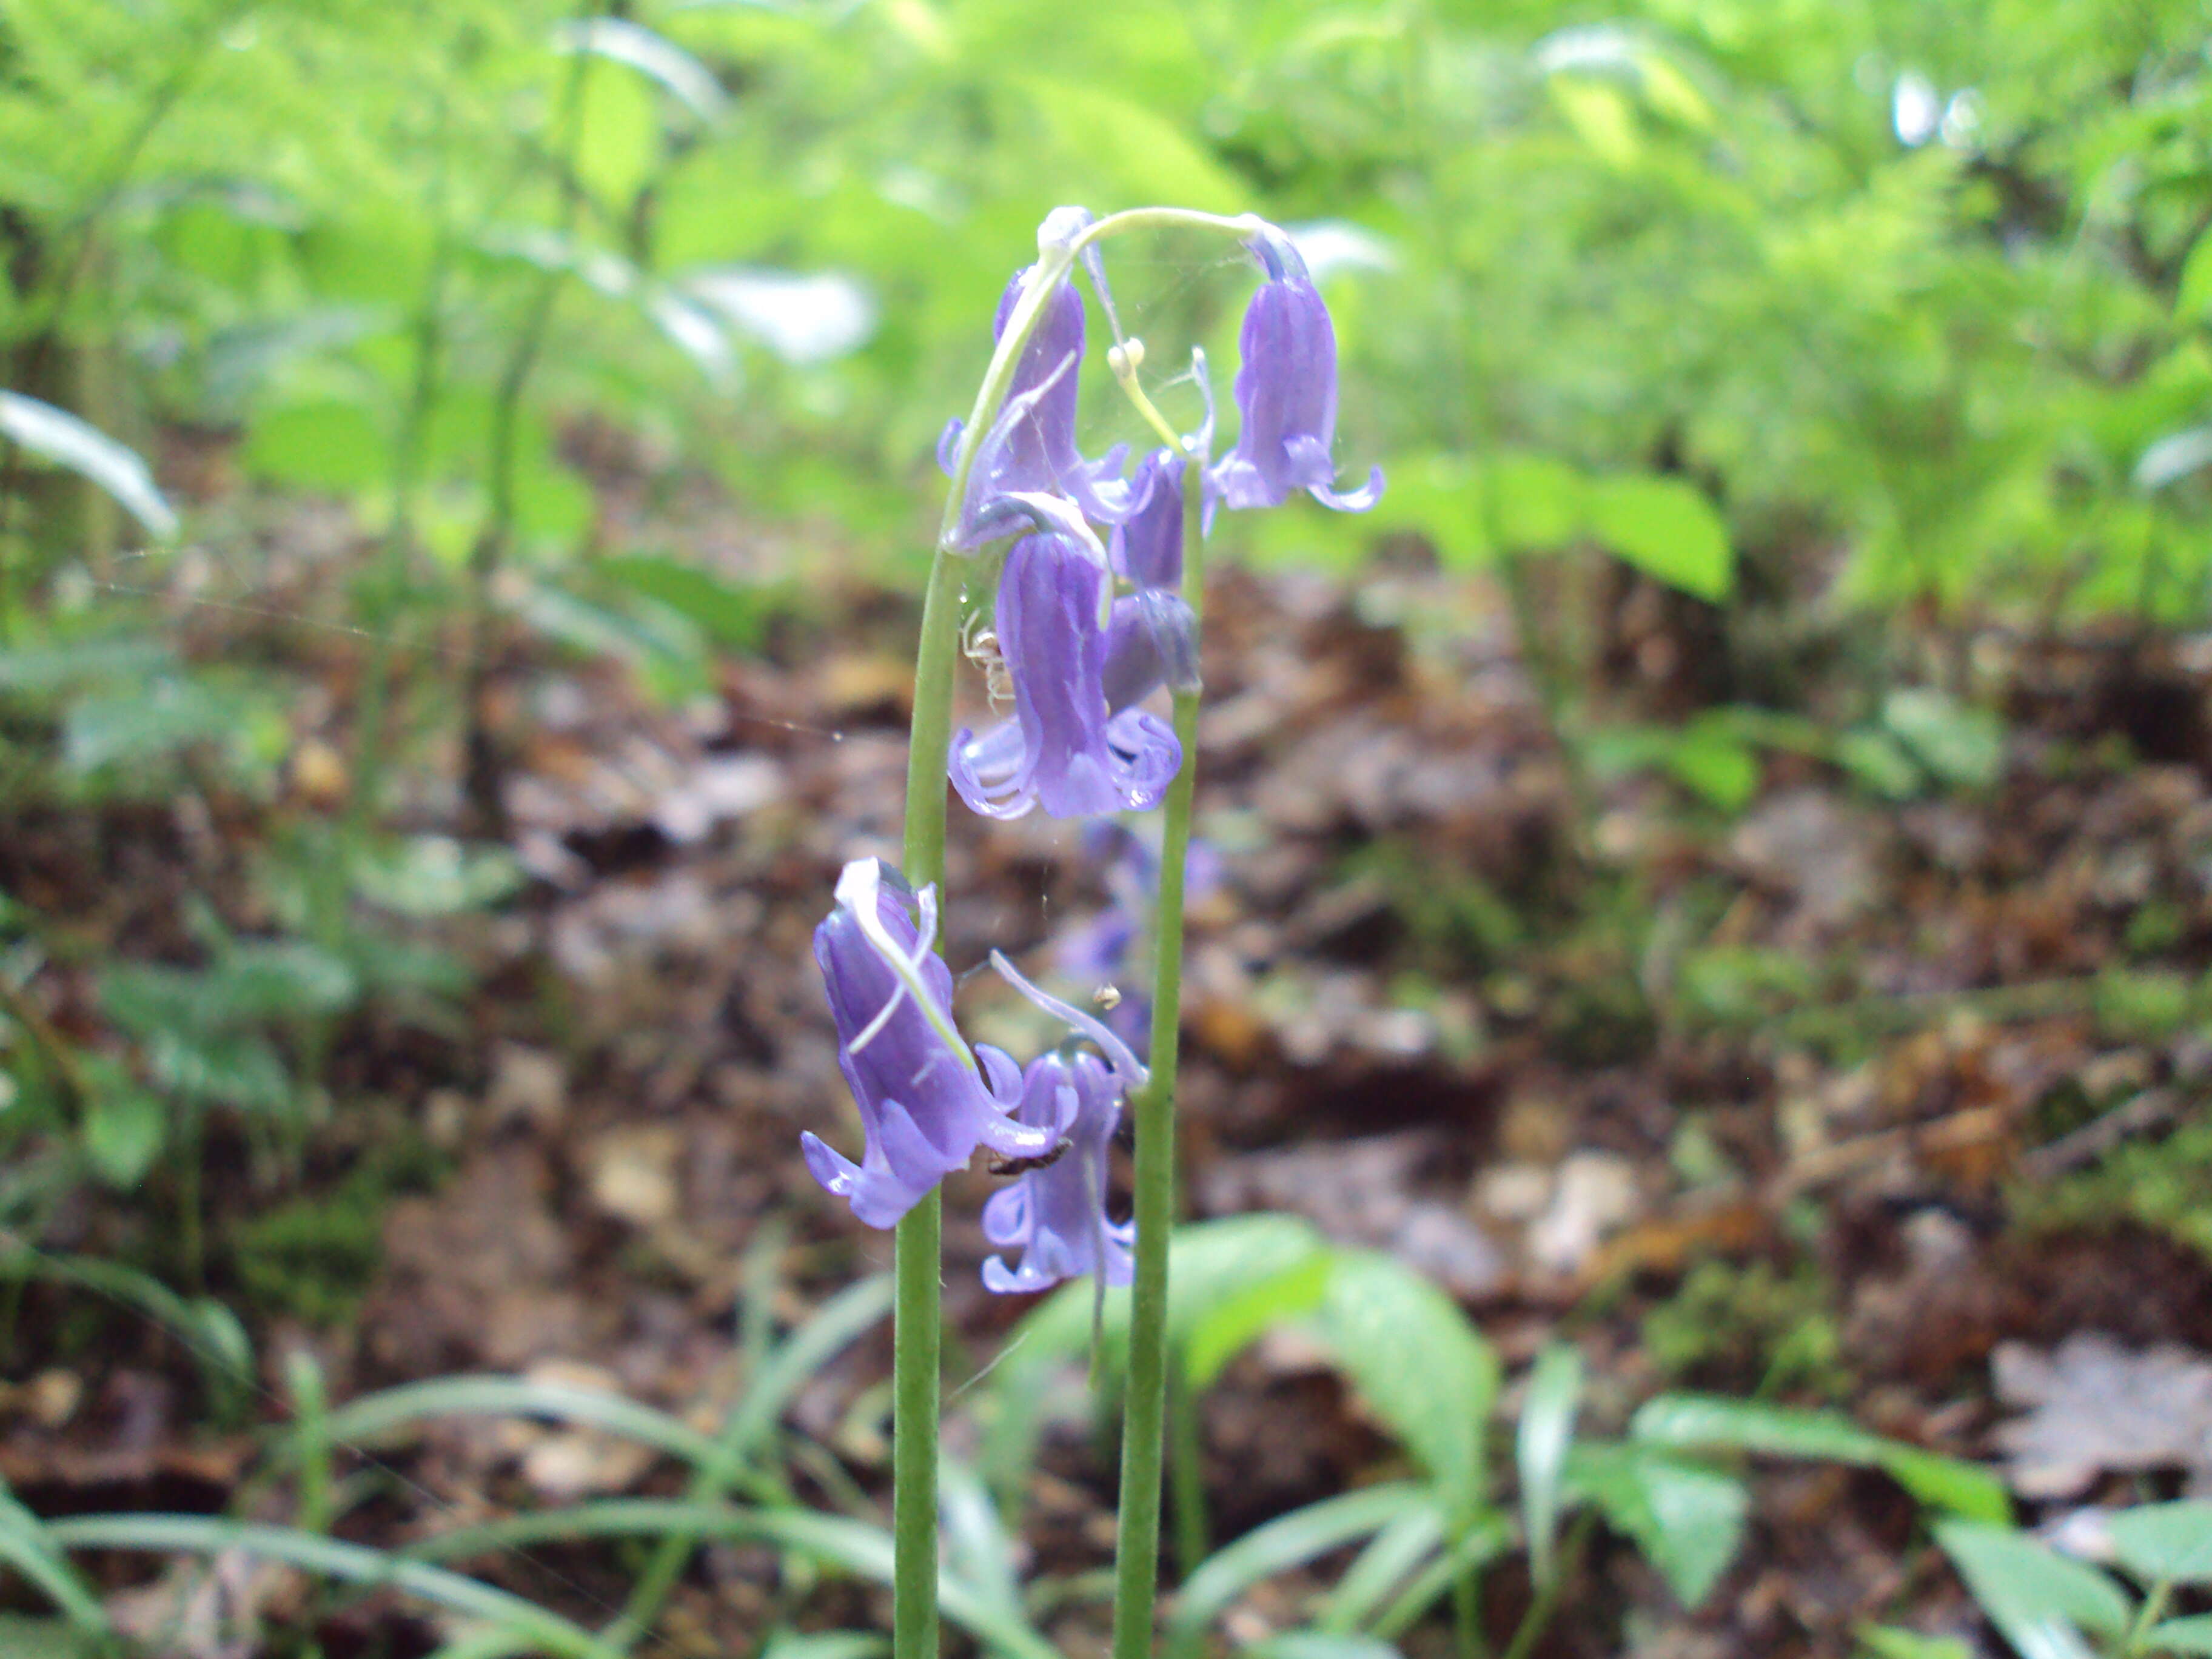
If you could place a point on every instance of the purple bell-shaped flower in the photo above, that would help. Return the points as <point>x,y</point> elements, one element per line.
<point>1054,1214</point>
<point>1031,448</point>
<point>926,1101</point>
<point>1146,547</point>
<point>1070,747</point>
<point>1285,394</point>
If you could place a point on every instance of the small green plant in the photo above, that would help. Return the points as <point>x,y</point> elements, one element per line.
<point>2051,1606</point>
<point>1775,1331</point>
<point>1430,1378</point>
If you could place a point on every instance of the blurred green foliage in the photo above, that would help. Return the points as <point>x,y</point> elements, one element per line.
<point>1917,289</point>
<point>1865,304</point>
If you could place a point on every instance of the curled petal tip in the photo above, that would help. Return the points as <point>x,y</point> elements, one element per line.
<point>1352,501</point>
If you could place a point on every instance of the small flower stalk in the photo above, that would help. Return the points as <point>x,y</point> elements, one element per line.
<point>1095,617</point>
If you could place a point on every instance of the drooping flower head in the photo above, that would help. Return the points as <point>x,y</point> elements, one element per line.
<point>1285,394</point>
<point>926,1101</point>
<point>1031,448</point>
<point>1055,1215</point>
<point>1069,747</point>
<point>1147,546</point>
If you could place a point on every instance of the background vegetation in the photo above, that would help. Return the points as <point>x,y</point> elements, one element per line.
<point>1792,368</point>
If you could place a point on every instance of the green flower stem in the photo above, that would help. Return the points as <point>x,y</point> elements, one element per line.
<point>917,1272</point>
<point>917,1268</point>
<point>1136,1562</point>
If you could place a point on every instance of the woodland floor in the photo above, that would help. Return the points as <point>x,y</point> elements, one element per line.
<point>1837,1099</point>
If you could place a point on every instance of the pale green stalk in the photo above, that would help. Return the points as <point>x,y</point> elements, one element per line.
<point>919,1242</point>
<point>1136,1564</point>
<point>917,1266</point>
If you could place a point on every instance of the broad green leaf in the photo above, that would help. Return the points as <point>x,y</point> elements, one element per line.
<point>31,1549</point>
<point>835,1325</point>
<point>663,648</point>
<point>1601,116</point>
<point>170,1534</point>
<point>124,1126</point>
<point>1421,1365</point>
<point>377,1414</point>
<point>1441,495</point>
<point>825,1645</point>
<point>55,435</point>
<point>854,1547</point>
<point>1687,1521</point>
<point>2193,298</point>
<point>2039,1598</point>
<point>260,980</point>
<point>622,135</point>
<point>1888,1642</point>
<point>1392,1556</point>
<point>1666,528</point>
<point>54,667</point>
<point>1705,1422</point>
<point>1321,1644</point>
<point>150,724</point>
<point>331,444</point>
<point>803,317</point>
<point>2165,1541</point>
<point>2174,457</point>
<point>1488,1539</point>
<point>1217,1334</point>
<point>228,1068</point>
<point>1289,1540</point>
<point>1881,763</point>
<point>974,1543</point>
<point>1147,157</point>
<point>2190,1634</point>
<point>730,615</point>
<point>1212,1265</point>
<point>1961,746</point>
<point>1717,764</point>
<point>1546,1429</point>
<point>42,1638</point>
<point>621,41</point>
<point>1537,502</point>
<point>206,1329</point>
<point>429,876</point>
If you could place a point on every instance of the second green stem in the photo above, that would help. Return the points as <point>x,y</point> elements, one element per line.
<point>1136,1564</point>
<point>916,1270</point>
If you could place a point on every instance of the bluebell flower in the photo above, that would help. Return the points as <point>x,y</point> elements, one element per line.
<point>1054,1214</point>
<point>1146,547</point>
<point>927,1102</point>
<point>1031,448</point>
<point>1285,394</point>
<point>1068,748</point>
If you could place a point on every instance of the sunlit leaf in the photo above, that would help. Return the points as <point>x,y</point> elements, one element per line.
<point>1421,1365</point>
<point>1666,528</point>
<point>1688,1520</point>
<point>55,435</point>
<point>124,1125</point>
<point>621,41</point>
<point>2165,1541</point>
<point>1541,1441</point>
<point>2039,1598</point>
<point>1710,1423</point>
